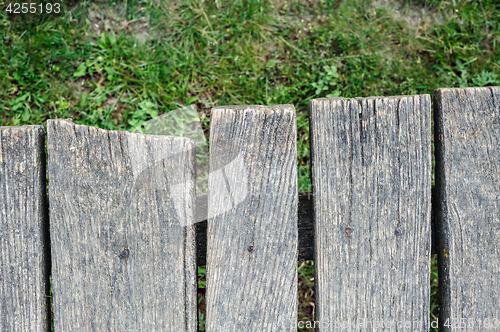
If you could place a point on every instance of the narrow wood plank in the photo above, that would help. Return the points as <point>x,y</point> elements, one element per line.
<point>24,283</point>
<point>252,219</point>
<point>122,233</point>
<point>467,127</point>
<point>371,172</point>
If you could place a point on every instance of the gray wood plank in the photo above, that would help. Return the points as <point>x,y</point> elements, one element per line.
<point>371,173</point>
<point>467,127</point>
<point>252,219</point>
<point>122,233</point>
<point>24,283</point>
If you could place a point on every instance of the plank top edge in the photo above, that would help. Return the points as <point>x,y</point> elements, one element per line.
<point>443,90</point>
<point>69,122</point>
<point>368,98</point>
<point>260,108</point>
<point>25,127</point>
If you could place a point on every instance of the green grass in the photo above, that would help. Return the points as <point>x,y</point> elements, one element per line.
<point>149,57</point>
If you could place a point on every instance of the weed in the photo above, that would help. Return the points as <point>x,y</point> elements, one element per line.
<point>485,78</point>
<point>117,64</point>
<point>327,80</point>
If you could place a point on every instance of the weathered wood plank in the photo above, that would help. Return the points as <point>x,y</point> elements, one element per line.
<point>467,127</point>
<point>122,233</point>
<point>371,172</point>
<point>24,283</point>
<point>252,219</point>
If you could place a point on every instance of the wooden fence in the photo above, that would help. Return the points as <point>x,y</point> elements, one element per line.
<point>118,238</point>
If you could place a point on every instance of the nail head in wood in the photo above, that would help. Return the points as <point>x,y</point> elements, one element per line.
<point>125,252</point>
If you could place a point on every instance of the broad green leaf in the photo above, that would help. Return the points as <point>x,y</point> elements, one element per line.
<point>26,114</point>
<point>81,70</point>
<point>112,38</point>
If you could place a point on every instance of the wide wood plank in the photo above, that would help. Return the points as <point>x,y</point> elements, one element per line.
<point>24,283</point>
<point>252,219</point>
<point>122,233</point>
<point>467,127</point>
<point>371,172</point>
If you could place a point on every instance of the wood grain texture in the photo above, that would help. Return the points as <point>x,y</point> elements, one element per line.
<point>24,284</point>
<point>371,172</point>
<point>252,202</point>
<point>111,191</point>
<point>467,124</point>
